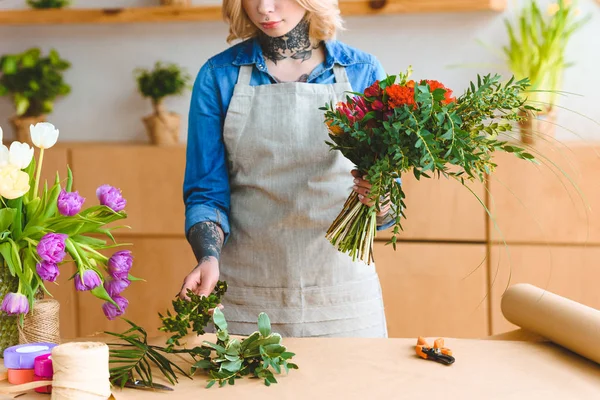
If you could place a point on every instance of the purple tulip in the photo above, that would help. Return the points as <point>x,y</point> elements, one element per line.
<point>69,203</point>
<point>91,280</point>
<point>51,247</point>
<point>119,264</point>
<point>48,271</point>
<point>15,303</point>
<point>111,197</point>
<point>111,311</point>
<point>114,287</point>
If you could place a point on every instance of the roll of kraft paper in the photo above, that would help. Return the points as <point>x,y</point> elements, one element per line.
<point>563,321</point>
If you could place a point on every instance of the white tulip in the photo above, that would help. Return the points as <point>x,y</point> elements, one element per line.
<point>4,156</point>
<point>20,154</point>
<point>43,135</point>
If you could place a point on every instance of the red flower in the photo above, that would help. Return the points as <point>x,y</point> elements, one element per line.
<point>377,105</point>
<point>433,85</point>
<point>355,109</point>
<point>374,90</point>
<point>400,95</point>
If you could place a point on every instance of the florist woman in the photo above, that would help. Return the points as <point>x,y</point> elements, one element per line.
<point>261,184</point>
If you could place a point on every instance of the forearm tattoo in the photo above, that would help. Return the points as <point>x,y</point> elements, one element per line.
<point>295,44</point>
<point>206,239</point>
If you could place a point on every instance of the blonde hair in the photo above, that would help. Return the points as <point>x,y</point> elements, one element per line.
<point>323,17</point>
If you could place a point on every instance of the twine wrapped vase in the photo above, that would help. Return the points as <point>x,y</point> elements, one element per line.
<point>9,332</point>
<point>21,127</point>
<point>178,3</point>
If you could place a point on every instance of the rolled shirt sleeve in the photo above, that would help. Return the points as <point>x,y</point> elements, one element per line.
<point>206,191</point>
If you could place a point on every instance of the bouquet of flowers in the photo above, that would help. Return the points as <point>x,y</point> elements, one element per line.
<point>40,226</point>
<point>398,125</point>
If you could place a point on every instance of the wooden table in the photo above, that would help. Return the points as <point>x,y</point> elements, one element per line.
<point>511,366</point>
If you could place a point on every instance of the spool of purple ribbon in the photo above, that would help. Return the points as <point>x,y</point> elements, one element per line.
<point>23,356</point>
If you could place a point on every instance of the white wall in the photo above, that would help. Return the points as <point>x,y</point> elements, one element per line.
<point>105,106</point>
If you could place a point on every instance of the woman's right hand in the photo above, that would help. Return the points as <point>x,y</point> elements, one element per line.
<point>203,279</point>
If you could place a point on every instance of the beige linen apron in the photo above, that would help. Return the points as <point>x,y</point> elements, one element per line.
<point>286,189</point>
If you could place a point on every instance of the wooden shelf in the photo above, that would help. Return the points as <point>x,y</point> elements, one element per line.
<point>213,13</point>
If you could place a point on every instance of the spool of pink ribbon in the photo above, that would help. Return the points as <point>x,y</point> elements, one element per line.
<point>43,372</point>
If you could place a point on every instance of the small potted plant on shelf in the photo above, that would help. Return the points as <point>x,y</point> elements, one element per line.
<point>178,3</point>
<point>536,50</point>
<point>43,4</point>
<point>162,81</point>
<point>33,82</point>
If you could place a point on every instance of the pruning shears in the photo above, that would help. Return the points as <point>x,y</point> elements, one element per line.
<point>437,353</point>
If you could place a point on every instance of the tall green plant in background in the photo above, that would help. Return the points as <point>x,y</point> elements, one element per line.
<point>537,47</point>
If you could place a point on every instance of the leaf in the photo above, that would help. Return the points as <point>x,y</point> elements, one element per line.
<point>7,216</point>
<point>264,324</point>
<point>232,366</point>
<point>101,293</point>
<point>203,364</point>
<point>219,319</point>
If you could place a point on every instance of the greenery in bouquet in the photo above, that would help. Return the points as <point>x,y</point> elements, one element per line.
<point>399,126</point>
<point>40,227</point>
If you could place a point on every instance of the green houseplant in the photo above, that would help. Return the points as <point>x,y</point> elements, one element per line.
<point>33,82</point>
<point>163,81</point>
<point>536,50</point>
<point>42,4</point>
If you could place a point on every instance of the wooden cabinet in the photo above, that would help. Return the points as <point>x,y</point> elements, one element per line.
<point>434,289</point>
<point>163,263</point>
<point>441,209</point>
<point>569,271</point>
<point>541,203</point>
<point>446,277</point>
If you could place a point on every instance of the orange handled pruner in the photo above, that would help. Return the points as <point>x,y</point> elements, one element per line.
<point>437,353</point>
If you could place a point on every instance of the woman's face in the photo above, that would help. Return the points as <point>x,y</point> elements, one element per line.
<point>274,17</point>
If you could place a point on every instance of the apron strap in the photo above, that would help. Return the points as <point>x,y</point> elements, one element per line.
<point>340,74</point>
<point>245,75</point>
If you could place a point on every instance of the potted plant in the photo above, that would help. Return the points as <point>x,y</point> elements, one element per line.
<point>42,4</point>
<point>162,81</point>
<point>536,50</point>
<point>34,82</point>
<point>44,226</point>
<point>178,3</point>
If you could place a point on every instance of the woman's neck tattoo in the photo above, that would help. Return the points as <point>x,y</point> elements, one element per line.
<point>295,44</point>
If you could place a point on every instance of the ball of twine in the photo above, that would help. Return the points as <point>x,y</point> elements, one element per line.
<point>41,324</point>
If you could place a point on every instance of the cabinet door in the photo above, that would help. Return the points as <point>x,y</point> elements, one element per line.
<point>568,271</point>
<point>538,204</point>
<point>441,209</point>
<point>163,263</point>
<point>150,179</point>
<point>434,289</point>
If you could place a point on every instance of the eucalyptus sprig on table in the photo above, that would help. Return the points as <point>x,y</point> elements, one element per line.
<point>236,358</point>
<point>192,314</point>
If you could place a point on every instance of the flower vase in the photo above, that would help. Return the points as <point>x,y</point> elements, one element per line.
<point>9,333</point>
<point>538,127</point>
<point>21,127</point>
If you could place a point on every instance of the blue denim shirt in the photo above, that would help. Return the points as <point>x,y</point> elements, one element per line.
<point>206,192</point>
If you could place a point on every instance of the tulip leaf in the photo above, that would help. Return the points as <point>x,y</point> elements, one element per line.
<point>102,294</point>
<point>7,216</point>
<point>69,186</point>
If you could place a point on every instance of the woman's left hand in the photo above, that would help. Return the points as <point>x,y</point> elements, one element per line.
<point>363,188</point>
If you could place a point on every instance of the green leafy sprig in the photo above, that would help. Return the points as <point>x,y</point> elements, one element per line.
<point>193,313</point>
<point>256,355</point>
<point>134,358</point>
